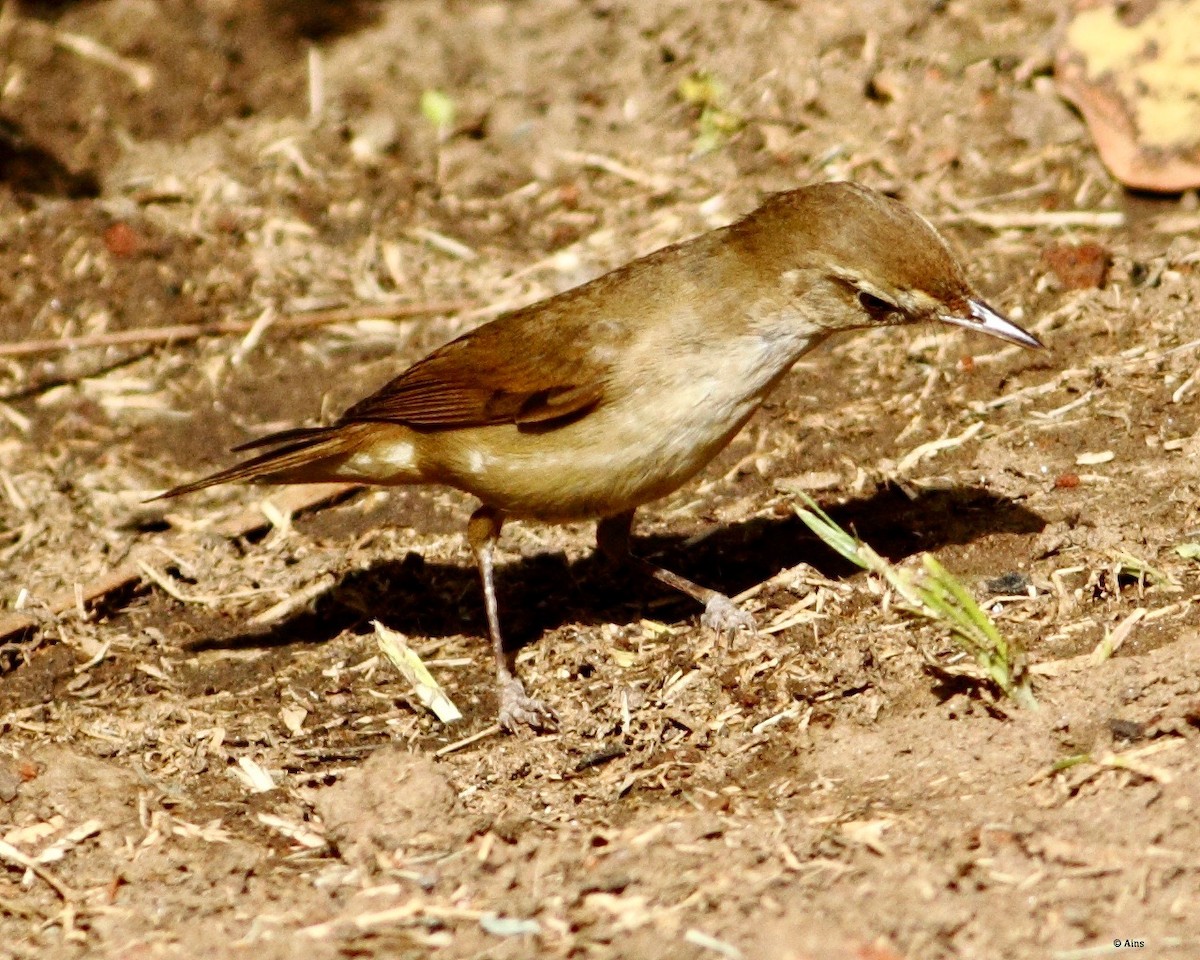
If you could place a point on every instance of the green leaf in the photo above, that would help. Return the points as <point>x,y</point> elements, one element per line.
<point>702,89</point>
<point>717,123</point>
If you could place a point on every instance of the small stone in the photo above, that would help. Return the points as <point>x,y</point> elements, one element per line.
<point>122,241</point>
<point>1009,584</point>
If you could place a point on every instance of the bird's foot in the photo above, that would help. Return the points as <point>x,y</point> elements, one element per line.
<point>518,709</point>
<point>725,616</point>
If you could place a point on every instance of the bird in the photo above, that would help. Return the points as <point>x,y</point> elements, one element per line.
<point>603,398</point>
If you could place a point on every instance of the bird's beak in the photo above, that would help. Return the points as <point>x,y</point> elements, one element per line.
<point>979,316</point>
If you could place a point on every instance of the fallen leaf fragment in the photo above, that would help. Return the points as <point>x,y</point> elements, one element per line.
<point>1133,70</point>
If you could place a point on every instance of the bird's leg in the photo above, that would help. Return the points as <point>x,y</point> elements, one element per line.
<point>720,613</point>
<point>516,707</point>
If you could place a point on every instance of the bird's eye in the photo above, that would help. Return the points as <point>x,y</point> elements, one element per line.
<point>875,306</point>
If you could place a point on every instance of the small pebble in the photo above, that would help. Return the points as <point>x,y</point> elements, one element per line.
<point>1009,583</point>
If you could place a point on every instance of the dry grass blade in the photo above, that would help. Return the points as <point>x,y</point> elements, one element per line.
<point>404,658</point>
<point>938,596</point>
<point>1131,760</point>
<point>1114,640</point>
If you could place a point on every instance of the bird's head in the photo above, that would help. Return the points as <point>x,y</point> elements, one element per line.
<point>855,258</point>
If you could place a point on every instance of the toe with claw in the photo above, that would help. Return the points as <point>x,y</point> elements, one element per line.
<point>724,616</point>
<point>518,709</point>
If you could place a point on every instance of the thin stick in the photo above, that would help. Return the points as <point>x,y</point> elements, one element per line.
<point>1033,219</point>
<point>919,453</point>
<point>140,75</point>
<point>292,500</point>
<point>598,161</point>
<point>13,855</point>
<point>220,328</point>
<point>284,607</point>
<point>488,731</point>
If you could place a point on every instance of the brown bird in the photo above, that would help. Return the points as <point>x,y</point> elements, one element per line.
<point>600,399</point>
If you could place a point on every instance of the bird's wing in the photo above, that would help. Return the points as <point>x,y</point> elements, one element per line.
<point>527,368</point>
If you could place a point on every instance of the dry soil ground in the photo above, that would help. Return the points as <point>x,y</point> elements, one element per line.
<point>213,762</point>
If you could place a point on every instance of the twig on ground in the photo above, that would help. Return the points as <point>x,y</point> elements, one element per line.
<point>598,161</point>
<point>925,450</point>
<point>194,331</point>
<point>1033,219</point>
<point>140,75</point>
<point>444,244</point>
<point>294,602</point>
<point>488,731</point>
<point>13,855</point>
<point>1113,641</point>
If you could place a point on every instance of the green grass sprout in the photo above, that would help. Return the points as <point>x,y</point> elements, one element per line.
<point>1130,566</point>
<point>717,122</point>
<point>937,596</point>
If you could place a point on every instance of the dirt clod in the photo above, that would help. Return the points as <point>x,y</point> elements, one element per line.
<point>394,801</point>
<point>1078,266</point>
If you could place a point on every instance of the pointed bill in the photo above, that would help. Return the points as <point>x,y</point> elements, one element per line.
<point>981,317</point>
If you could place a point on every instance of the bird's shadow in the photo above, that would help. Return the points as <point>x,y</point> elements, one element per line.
<point>542,592</point>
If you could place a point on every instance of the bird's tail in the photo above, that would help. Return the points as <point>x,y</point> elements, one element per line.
<point>305,455</point>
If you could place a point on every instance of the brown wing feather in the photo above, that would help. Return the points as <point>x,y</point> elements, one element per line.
<point>523,368</point>
<point>280,437</point>
<point>307,454</point>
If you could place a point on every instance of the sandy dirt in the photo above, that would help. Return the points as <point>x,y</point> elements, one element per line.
<point>214,761</point>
